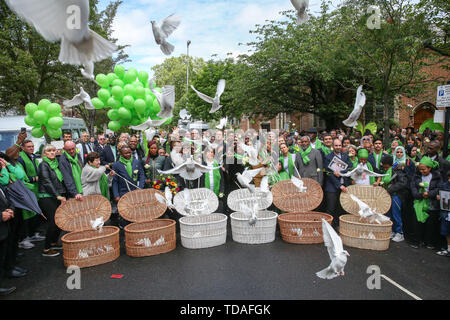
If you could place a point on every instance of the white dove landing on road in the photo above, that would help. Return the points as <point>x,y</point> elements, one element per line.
<point>163,30</point>
<point>301,6</point>
<point>336,252</point>
<point>55,20</point>
<point>214,101</point>
<point>359,104</point>
<point>82,97</point>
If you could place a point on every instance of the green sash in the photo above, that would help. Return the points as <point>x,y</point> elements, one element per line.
<point>304,154</point>
<point>29,167</point>
<point>54,166</point>
<point>76,172</point>
<point>103,183</point>
<point>290,164</point>
<point>216,176</point>
<point>387,179</point>
<point>128,165</point>
<point>326,150</point>
<point>354,162</point>
<point>371,179</point>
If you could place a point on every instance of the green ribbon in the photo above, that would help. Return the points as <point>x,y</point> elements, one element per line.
<point>290,165</point>
<point>76,172</point>
<point>387,179</point>
<point>128,165</point>
<point>216,177</point>
<point>429,163</point>
<point>54,166</point>
<point>304,154</point>
<point>29,167</point>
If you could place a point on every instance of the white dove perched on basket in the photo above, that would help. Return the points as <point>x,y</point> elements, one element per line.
<point>189,170</point>
<point>357,109</point>
<point>246,178</point>
<point>336,252</point>
<point>214,101</point>
<point>365,212</point>
<point>357,173</point>
<point>163,30</point>
<point>66,21</point>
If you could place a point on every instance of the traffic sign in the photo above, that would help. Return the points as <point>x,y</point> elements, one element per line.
<point>443,96</point>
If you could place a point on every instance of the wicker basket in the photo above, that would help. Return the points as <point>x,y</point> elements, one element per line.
<point>302,227</point>
<point>199,197</point>
<point>203,231</point>
<point>141,205</point>
<point>377,198</point>
<point>84,247</point>
<point>261,232</point>
<point>287,198</point>
<point>146,236</point>
<point>150,238</point>
<point>237,198</point>
<point>357,233</point>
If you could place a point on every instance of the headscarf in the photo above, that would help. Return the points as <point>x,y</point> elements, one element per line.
<point>429,163</point>
<point>363,153</point>
<point>402,159</point>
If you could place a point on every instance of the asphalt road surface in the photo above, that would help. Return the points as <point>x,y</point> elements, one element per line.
<point>233,271</point>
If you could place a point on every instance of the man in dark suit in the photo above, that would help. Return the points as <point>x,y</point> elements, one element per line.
<point>334,183</point>
<point>375,157</point>
<point>310,164</point>
<point>6,215</point>
<point>85,147</point>
<point>136,152</point>
<point>70,165</point>
<point>108,153</point>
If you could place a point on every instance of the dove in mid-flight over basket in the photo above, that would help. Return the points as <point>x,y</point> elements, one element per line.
<point>66,21</point>
<point>336,252</point>
<point>162,30</point>
<point>357,173</point>
<point>189,170</point>
<point>214,101</point>
<point>82,97</point>
<point>357,109</point>
<point>246,178</point>
<point>166,100</point>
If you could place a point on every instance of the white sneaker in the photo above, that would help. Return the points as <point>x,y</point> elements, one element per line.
<point>36,237</point>
<point>398,237</point>
<point>26,244</point>
<point>393,234</point>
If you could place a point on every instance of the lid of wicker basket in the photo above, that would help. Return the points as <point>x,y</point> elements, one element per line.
<point>141,205</point>
<point>194,202</point>
<point>239,197</point>
<point>74,215</point>
<point>287,198</point>
<point>377,198</point>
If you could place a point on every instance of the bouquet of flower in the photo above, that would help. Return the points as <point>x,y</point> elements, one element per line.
<point>163,180</point>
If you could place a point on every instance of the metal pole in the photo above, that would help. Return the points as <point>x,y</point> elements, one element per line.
<point>187,73</point>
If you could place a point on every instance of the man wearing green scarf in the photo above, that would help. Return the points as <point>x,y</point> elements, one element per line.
<point>309,161</point>
<point>326,147</point>
<point>70,165</point>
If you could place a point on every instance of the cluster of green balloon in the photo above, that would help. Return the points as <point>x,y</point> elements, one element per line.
<point>128,95</point>
<point>45,117</point>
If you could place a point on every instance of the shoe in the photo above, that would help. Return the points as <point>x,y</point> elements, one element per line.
<point>14,273</point>
<point>398,237</point>
<point>50,253</point>
<point>415,246</point>
<point>20,269</point>
<point>36,237</point>
<point>6,291</point>
<point>393,234</point>
<point>430,247</point>
<point>56,246</point>
<point>443,253</point>
<point>25,244</point>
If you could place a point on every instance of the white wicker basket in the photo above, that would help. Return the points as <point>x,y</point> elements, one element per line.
<point>261,232</point>
<point>203,201</point>
<point>203,231</point>
<point>237,198</point>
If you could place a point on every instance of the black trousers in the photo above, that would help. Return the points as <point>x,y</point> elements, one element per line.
<point>12,242</point>
<point>333,206</point>
<point>428,232</point>
<point>48,207</point>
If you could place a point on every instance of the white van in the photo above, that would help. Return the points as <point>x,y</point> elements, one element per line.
<point>10,128</point>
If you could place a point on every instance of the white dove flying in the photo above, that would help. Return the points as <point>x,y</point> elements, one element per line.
<point>336,251</point>
<point>184,115</point>
<point>166,100</point>
<point>222,123</point>
<point>88,71</point>
<point>264,186</point>
<point>216,100</point>
<point>82,97</point>
<point>364,209</point>
<point>253,211</point>
<point>149,134</point>
<point>357,173</point>
<point>189,170</point>
<point>148,124</point>
<point>357,109</point>
<point>66,21</point>
<point>298,183</point>
<point>246,178</point>
<point>252,153</point>
<point>97,224</point>
<point>163,30</point>
<point>301,6</point>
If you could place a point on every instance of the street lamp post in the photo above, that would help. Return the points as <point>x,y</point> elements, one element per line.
<point>187,73</point>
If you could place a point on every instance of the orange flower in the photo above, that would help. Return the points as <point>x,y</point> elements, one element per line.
<point>172,183</point>
<point>157,186</point>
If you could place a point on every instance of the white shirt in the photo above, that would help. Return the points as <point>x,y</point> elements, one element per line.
<point>211,175</point>
<point>365,179</point>
<point>428,180</point>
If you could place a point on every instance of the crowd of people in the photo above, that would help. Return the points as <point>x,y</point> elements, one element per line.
<point>412,166</point>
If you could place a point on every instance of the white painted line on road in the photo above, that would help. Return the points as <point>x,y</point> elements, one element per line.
<point>400,287</point>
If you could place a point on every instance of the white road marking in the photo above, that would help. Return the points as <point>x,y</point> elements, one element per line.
<point>400,287</point>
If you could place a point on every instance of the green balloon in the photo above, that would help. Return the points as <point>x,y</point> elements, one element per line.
<point>44,103</point>
<point>156,108</point>
<point>117,82</point>
<point>30,121</point>
<point>140,93</point>
<point>113,115</point>
<point>140,106</point>
<point>37,132</point>
<point>149,101</point>
<point>131,75</point>
<point>148,92</point>
<point>54,133</point>
<point>124,113</point>
<point>114,103</point>
<point>143,77</point>
<point>111,77</point>
<point>124,122</point>
<point>119,70</point>
<point>40,117</point>
<point>117,92</point>
<point>53,109</point>
<point>137,84</point>
<point>128,101</point>
<point>98,104</point>
<point>102,80</point>
<point>55,122</point>
<point>114,126</point>
<point>30,108</point>
<point>129,90</point>
<point>103,95</point>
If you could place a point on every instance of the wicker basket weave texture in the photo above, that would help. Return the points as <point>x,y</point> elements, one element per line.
<point>240,197</point>
<point>302,227</point>
<point>203,231</point>
<point>358,233</point>
<point>262,232</point>
<point>150,238</point>
<point>377,198</point>
<point>141,205</point>
<point>287,198</point>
